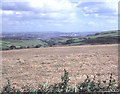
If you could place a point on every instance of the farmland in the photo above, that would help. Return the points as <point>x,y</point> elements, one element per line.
<point>34,66</point>
<point>109,37</point>
<point>6,43</point>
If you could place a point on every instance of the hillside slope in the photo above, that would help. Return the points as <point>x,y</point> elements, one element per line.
<point>109,37</point>
<point>37,65</point>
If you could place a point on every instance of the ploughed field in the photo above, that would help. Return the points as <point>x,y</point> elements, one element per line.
<point>38,65</point>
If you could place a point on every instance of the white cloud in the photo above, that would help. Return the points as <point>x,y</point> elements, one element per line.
<point>0,11</point>
<point>56,24</point>
<point>8,12</point>
<point>86,15</point>
<point>91,23</point>
<point>112,4</point>
<point>52,5</point>
<point>56,9</point>
<point>44,9</point>
<point>60,12</point>
<point>87,9</point>
<point>112,21</point>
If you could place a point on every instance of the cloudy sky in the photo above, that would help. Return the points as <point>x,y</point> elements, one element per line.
<point>59,15</point>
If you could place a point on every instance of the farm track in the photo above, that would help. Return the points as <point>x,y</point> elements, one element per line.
<point>37,65</point>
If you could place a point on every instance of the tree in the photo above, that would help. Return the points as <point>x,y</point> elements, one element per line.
<point>51,43</point>
<point>69,41</point>
<point>12,47</point>
<point>22,47</point>
<point>38,46</point>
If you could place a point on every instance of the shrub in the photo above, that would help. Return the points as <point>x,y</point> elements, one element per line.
<point>69,41</point>
<point>12,47</point>
<point>61,87</point>
<point>89,86</point>
<point>38,46</point>
<point>22,47</point>
<point>51,43</point>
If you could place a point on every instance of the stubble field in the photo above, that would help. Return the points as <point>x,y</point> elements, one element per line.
<point>37,65</point>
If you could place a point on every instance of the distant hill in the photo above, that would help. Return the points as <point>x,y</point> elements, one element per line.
<point>109,37</point>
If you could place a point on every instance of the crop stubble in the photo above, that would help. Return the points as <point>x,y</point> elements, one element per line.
<point>37,65</point>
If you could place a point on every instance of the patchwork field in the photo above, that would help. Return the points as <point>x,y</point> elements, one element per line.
<point>6,43</point>
<point>37,65</point>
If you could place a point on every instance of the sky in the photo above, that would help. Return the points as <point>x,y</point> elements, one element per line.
<point>59,15</point>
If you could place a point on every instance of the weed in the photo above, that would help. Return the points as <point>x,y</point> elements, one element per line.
<point>88,86</point>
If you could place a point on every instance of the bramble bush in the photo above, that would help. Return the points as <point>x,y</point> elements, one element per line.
<point>88,86</point>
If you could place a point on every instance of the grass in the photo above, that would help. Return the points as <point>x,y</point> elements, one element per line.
<point>6,43</point>
<point>106,35</point>
<point>44,71</point>
<point>79,43</point>
<point>58,41</point>
<point>98,38</point>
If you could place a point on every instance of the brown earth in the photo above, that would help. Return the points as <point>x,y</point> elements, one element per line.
<point>35,66</point>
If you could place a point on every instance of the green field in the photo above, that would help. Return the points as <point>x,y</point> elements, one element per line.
<point>109,37</point>
<point>6,43</point>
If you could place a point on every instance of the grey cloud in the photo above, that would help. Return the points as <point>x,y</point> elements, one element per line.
<point>26,11</point>
<point>24,6</point>
<point>29,15</point>
<point>16,6</point>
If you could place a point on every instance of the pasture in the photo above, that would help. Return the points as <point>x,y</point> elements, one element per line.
<point>6,43</point>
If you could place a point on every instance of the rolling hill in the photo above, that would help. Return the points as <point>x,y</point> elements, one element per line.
<point>109,37</point>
